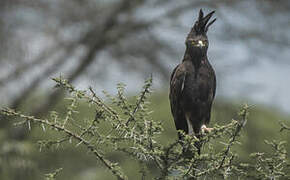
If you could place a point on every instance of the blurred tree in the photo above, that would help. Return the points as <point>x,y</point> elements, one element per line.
<point>73,37</point>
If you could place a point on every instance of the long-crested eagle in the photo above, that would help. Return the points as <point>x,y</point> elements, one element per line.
<point>193,82</point>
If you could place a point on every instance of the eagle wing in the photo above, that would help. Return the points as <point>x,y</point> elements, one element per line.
<point>211,93</point>
<point>177,81</point>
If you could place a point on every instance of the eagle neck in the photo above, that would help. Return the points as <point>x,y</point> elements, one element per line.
<point>195,58</point>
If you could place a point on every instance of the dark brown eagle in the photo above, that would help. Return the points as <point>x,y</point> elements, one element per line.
<point>193,82</point>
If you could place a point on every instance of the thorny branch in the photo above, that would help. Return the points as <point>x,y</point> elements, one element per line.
<point>140,101</point>
<point>284,126</point>
<point>60,128</point>
<point>243,113</point>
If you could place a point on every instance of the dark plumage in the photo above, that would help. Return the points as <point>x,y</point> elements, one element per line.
<point>193,82</point>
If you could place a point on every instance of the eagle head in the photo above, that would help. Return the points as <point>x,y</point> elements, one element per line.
<point>197,40</point>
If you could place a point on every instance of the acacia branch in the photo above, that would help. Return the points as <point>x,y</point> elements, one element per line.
<point>140,101</point>
<point>87,144</point>
<point>244,113</point>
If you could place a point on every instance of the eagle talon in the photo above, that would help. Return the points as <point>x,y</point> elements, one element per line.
<point>205,129</point>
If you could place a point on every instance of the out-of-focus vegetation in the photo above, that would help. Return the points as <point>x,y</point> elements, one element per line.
<point>22,159</point>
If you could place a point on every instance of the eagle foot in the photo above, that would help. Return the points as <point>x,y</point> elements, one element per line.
<point>205,129</point>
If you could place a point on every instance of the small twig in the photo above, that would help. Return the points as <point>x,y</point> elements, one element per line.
<point>283,126</point>
<point>69,112</point>
<point>100,103</point>
<point>138,103</point>
<point>189,169</point>
<point>243,113</point>
<point>53,175</point>
<point>229,146</point>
